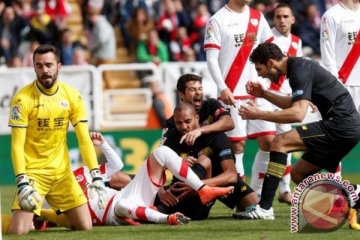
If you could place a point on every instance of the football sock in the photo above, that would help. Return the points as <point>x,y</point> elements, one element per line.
<point>51,216</point>
<point>5,223</point>
<point>166,157</point>
<point>239,164</point>
<point>275,171</point>
<point>284,185</point>
<point>338,170</point>
<point>127,209</point>
<point>258,170</point>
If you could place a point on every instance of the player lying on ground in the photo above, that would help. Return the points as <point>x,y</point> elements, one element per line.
<point>136,199</point>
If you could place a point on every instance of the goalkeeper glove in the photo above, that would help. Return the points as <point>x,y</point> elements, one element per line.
<point>29,199</point>
<point>97,188</point>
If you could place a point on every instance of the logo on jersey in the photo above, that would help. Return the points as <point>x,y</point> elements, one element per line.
<point>64,103</point>
<point>239,39</point>
<point>15,113</point>
<point>325,35</point>
<point>297,93</point>
<point>209,31</point>
<point>352,38</point>
<point>294,45</point>
<point>254,21</point>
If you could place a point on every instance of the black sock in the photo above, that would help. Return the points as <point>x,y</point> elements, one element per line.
<point>274,173</point>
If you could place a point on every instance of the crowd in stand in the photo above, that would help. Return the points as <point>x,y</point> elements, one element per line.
<point>152,30</point>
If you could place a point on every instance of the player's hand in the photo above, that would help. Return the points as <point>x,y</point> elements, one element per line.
<point>97,138</point>
<point>249,111</point>
<point>97,188</point>
<point>228,97</point>
<point>190,160</point>
<point>190,137</point>
<point>313,107</point>
<point>166,197</point>
<point>29,199</point>
<point>182,190</point>
<point>254,88</point>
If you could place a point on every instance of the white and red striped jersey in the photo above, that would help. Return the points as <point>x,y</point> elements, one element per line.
<point>101,216</point>
<point>290,45</point>
<point>235,35</point>
<point>339,37</point>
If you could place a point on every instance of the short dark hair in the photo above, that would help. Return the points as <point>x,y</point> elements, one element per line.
<point>188,77</point>
<point>184,106</point>
<point>284,5</point>
<point>45,48</point>
<point>265,51</point>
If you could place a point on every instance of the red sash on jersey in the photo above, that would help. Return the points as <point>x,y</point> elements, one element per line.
<point>240,60</point>
<point>350,60</point>
<point>290,53</point>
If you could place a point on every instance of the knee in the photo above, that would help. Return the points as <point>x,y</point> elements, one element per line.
<point>84,226</point>
<point>277,144</point>
<point>238,147</point>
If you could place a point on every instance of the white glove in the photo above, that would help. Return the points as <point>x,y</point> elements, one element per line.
<point>29,199</point>
<point>97,188</point>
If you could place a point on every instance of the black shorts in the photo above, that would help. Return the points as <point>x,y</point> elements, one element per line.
<point>193,208</point>
<point>327,143</point>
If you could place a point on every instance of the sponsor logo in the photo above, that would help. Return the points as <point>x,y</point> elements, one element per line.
<point>15,113</point>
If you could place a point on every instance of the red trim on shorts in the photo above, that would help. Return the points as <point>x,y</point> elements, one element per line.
<point>148,167</point>
<point>140,213</point>
<point>183,169</point>
<point>103,221</point>
<point>287,170</point>
<point>237,139</point>
<point>241,97</point>
<point>211,46</point>
<point>260,134</point>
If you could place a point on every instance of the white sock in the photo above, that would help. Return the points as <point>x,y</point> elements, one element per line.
<point>284,185</point>
<point>258,170</point>
<point>126,208</point>
<point>239,163</point>
<point>166,157</point>
<point>338,170</point>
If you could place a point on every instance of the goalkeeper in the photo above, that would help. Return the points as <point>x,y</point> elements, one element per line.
<point>39,117</point>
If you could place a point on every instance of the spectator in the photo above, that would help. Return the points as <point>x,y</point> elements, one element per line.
<point>139,25</point>
<point>79,56</point>
<point>152,49</point>
<point>309,29</point>
<point>102,41</point>
<point>28,56</point>
<point>10,32</point>
<point>66,47</point>
<point>43,28</point>
<point>180,45</point>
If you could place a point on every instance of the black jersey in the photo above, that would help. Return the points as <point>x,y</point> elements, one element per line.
<point>215,146</point>
<point>308,80</point>
<point>211,110</point>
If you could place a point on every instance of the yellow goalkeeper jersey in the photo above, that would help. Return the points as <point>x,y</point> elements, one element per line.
<point>46,118</point>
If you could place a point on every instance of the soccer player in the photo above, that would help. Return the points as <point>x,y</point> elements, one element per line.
<point>324,142</point>
<point>230,35</point>
<point>39,117</point>
<point>340,45</point>
<point>211,158</point>
<point>212,115</point>
<point>290,45</point>
<point>135,200</point>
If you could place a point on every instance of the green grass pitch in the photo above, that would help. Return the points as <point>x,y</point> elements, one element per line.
<point>220,225</point>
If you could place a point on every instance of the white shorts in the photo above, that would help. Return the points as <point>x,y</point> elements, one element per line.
<point>355,94</point>
<point>249,128</point>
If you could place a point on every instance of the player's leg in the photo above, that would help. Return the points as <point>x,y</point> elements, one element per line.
<point>284,186</point>
<point>237,136</point>
<point>166,157</point>
<point>67,197</point>
<point>50,215</point>
<point>5,222</point>
<point>21,222</point>
<point>127,209</point>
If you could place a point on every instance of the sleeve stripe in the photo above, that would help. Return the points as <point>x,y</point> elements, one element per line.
<point>211,45</point>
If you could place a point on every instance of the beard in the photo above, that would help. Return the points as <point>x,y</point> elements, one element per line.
<point>47,81</point>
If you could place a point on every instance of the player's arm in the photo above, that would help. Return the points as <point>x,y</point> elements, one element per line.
<point>18,137</point>
<point>256,89</point>
<point>227,177</point>
<point>327,43</point>
<point>223,124</point>
<point>296,113</point>
<point>86,147</point>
